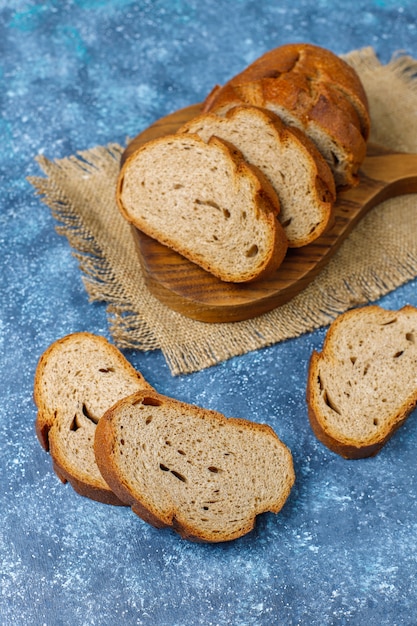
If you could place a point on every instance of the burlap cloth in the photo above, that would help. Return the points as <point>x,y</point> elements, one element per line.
<point>378,256</point>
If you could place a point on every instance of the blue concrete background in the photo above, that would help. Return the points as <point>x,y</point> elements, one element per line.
<point>75,74</point>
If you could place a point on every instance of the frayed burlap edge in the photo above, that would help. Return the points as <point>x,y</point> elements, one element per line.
<point>80,193</point>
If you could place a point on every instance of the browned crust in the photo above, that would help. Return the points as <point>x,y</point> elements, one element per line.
<point>314,85</point>
<point>344,447</point>
<point>42,428</point>
<point>106,496</point>
<point>187,532</point>
<point>325,68</point>
<point>298,61</point>
<point>104,452</point>
<point>265,199</point>
<point>211,98</point>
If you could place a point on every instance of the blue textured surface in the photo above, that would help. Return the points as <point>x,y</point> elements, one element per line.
<point>78,73</point>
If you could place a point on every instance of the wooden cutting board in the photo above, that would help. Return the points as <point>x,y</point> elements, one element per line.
<point>188,289</point>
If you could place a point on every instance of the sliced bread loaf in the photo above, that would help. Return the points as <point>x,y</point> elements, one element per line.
<point>77,379</point>
<point>298,173</point>
<point>312,89</point>
<point>321,66</point>
<point>204,201</point>
<point>363,385</point>
<point>180,466</point>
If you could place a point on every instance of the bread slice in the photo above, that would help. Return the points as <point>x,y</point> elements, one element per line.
<point>77,379</point>
<point>205,202</point>
<point>180,466</point>
<point>298,173</point>
<point>312,89</point>
<point>363,385</point>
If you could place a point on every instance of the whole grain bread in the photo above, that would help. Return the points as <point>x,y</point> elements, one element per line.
<point>363,385</point>
<point>77,379</point>
<point>298,173</point>
<point>310,88</point>
<point>181,466</point>
<point>204,201</point>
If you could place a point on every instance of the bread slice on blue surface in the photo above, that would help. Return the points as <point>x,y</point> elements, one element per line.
<point>178,465</point>
<point>77,379</point>
<point>362,386</point>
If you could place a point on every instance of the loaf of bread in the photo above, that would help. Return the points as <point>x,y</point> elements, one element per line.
<point>77,379</point>
<point>191,469</point>
<point>312,89</point>
<point>363,385</point>
<point>205,202</point>
<point>298,173</point>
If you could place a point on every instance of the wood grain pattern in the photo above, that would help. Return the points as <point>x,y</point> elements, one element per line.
<point>188,289</point>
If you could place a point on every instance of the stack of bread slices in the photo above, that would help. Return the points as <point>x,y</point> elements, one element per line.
<point>258,170</point>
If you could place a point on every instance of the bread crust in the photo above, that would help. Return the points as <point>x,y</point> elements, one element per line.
<point>265,200</point>
<point>345,446</point>
<point>107,437</point>
<point>93,492</point>
<point>315,87</point>
<point>317,64</point>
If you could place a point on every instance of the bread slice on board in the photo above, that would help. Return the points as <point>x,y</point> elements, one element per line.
<point>205,202</point>
<point>181,466</point>
<point>77,379</point>
<point>298,173</point>
<point>310,88</point>
<point>363,385</point>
